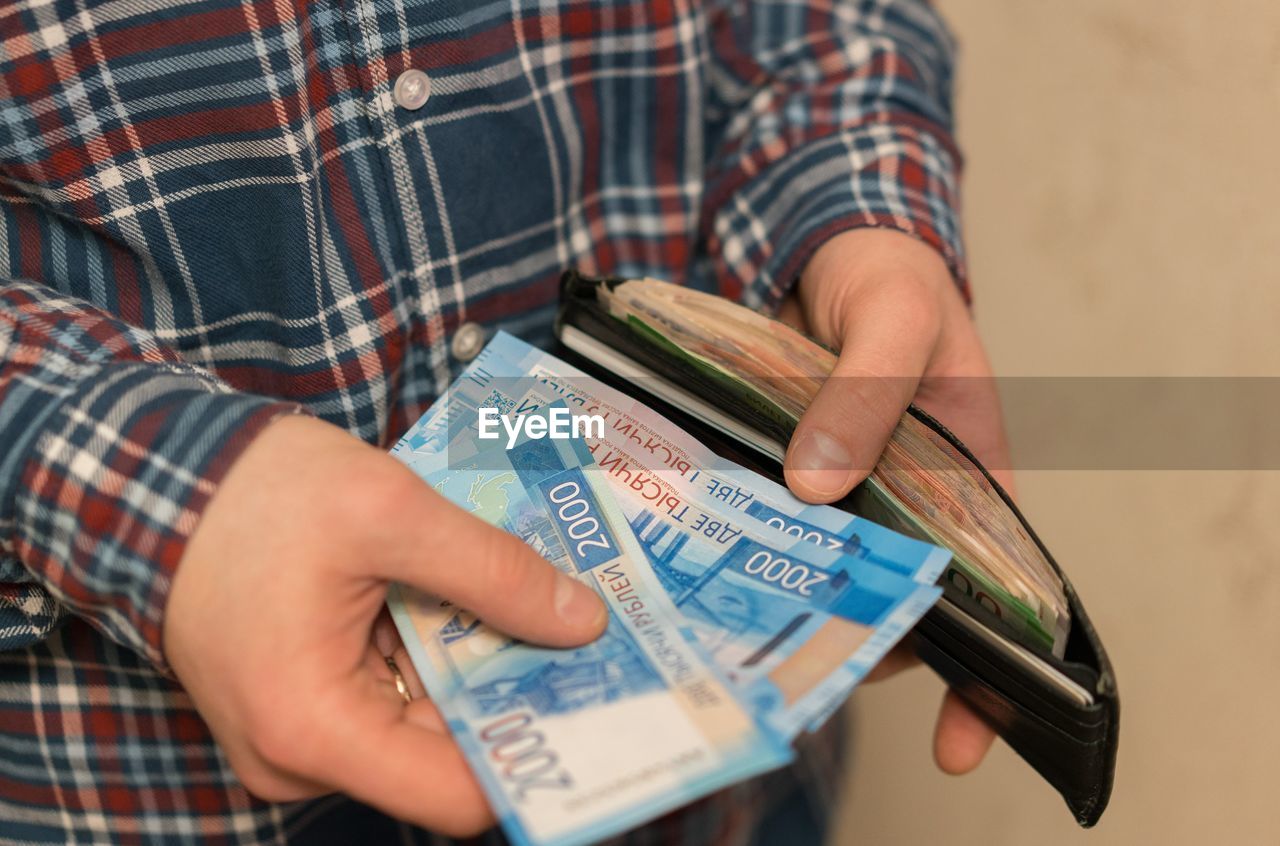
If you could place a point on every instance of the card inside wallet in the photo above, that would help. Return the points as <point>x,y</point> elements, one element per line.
<point>1060,714</point>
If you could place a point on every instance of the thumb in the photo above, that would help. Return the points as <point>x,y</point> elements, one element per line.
<point>840,437</point>
<point>497,577</point>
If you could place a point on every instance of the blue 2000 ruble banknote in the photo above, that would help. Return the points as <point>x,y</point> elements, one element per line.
<point>575,745</point>
<point>514,377</point>
<point>792,625</point>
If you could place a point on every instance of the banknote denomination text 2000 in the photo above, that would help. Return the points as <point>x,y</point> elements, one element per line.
<point>521,755</point>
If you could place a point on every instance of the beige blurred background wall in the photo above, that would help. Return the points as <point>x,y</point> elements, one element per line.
<point>1122,201</point>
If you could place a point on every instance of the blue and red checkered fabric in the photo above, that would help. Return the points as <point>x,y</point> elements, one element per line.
<point>213,213</point>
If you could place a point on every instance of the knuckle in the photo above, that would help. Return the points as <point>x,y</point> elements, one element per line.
<point>866,396</point>
<point>468,819</point>
<point>920,300</point>
<point>275,740</point>
<point>908,292</point>
<point>509,564</point>
<point>270,788</point>
<point>376,489</point>
<point>258,778</point>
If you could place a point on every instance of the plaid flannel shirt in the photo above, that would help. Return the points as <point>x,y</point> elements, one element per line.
<point>212,213</point>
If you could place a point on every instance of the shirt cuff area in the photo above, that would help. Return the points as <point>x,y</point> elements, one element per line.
<point>114,482</point>
<point>775,211</point>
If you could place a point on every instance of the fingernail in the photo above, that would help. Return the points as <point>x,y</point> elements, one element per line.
<point>577,604</point>
<point>821,463</point>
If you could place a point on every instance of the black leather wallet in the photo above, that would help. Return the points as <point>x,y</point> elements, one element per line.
<point>1060,715</point>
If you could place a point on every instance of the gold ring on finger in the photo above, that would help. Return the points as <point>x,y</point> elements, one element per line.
<point>401,687</point>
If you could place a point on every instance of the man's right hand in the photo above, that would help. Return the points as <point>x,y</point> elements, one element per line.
<point>269,624</point>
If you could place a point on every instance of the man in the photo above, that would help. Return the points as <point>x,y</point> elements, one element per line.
<point>246,243</point>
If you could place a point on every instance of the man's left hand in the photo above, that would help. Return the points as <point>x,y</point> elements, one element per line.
<point>889,305</point>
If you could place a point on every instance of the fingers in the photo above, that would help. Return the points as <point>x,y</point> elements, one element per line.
<point>424,780</point>
<point>385,637</point>
<point>272,784</point>
<point>970,407</point>
<point>387,644</point>
<point>901,657</point>
<point>299,757</point>
<point>497,577</point>
<point>355,739</point>
<point>887,344</point>
<point>960,390</point>
<point>265,779</point>
<point>398,761</point>
<point>791,312</point>
<point>961,739</point>
<point>424,714</point>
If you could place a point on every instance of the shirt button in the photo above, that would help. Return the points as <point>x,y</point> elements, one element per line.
<point>467,341</point>
<point>412,89</point>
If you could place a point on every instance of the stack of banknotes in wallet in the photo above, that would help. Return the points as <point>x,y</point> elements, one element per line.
<point>920,485</point>
<point>740,616</point>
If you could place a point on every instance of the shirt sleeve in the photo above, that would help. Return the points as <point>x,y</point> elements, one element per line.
<point>824,118</point>
<point>110,446</point>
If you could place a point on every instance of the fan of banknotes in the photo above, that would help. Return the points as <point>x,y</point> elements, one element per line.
<point>920,485</point>
<point>740,616</point>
